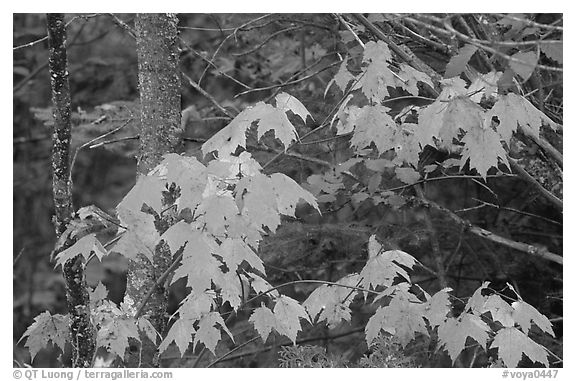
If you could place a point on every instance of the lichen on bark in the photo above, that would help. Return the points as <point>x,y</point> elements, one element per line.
<point>77,297</point>
<point>160,133</point>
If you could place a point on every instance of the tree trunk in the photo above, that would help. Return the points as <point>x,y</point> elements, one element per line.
<point>161,133</point>
<point>78,300</point>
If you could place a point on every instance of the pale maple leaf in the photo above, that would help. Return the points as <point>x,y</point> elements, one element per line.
<point>208,333</point>
<point>512,343</point>
<point>526,315</point>
<point>45,329</point>
<point>483,149</point>
<point>454,331</point>
<point>180,333</point>
<point>264,321</point>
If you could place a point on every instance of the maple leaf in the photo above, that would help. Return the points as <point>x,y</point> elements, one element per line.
<point>476,302</point>
<point>286,102</point>
<point>376,76</point>
<point>198,263</point>
<point>454,332</point>
<point>235,251</point>
<point>228,139</point>
<point>230,168</point>
<point>401,317</point>
<point>512,111</point>
<point>484,86</point>
<point>499,309</point>
<point>288,193</point>
<point>342,77</point>
<point>483,149</point>
<point>446,119</point>
<point>328,183</point>
<point>259,201</point>
<point>188,173</point>
<point>382,267</point>
<point>97,295</point>
<point>260,285</point>
<point>459,61</point>
<point>197,304</point>
<point>430,120</point>
<point>45,329</point>
<point>142,236</point>
<point>217,210</point>
<point>145,326</point>
<point>264,321</point>
<point>437,307</point>
<point>274,119</point>
<point>553,50</point>
<point>406,146</point>
<point>376,52</point>
<point>242,227</point>
<point>525,64</point>
<point>114,335</point>
<point>178,234</point>
<point>512,343</point>
<point>147,190</point>
<point>268,118</point>
<point>231,289</point>
<point>411,77</point>
<point>526,315</point>
<point>460,114</point>
<point>373,124</point>
<point>130,244</point>
<point>180,333</point>
<point>407,175</point>
<point>84,246</point>
<point>374,81</point>
<point>332,302</point>
<point>207,332</point>
<point>288,313</point>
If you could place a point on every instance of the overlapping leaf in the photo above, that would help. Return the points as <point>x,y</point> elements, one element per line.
<point>512,343</point>
<point>402,317</point>
<point>454,332</point>
<point>332,302</point>
<point>285,319</point>
<point>85,246</point>
<point>47,328</point>
<point>268,118</point>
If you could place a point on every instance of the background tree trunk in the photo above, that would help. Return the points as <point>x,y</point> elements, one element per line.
<point>78,300</point>
<point>159,82</point>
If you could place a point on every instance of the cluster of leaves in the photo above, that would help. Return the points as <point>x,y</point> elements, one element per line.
<point>224,208</point>
<point>455,121</point>
<point>489,320</point>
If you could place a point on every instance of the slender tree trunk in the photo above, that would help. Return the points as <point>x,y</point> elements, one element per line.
<point>78,300</point>
<point>159,83</point>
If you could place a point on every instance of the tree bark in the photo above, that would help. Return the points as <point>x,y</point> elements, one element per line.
<point>78,300</point>
<point>161,133</point>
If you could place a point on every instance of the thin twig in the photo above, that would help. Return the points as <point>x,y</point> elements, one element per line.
<point>538,251</point>
<point>219,359</point>
<point>532,23</point>
<point>436,251</point>
<point>227,38</point>
<point>208,96</point>
<point>92,141</point>
<point>266,41</point>
<point>543,191</point>
<point>486,203</point>
<point>471,41</point>
<point>288,83</point>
